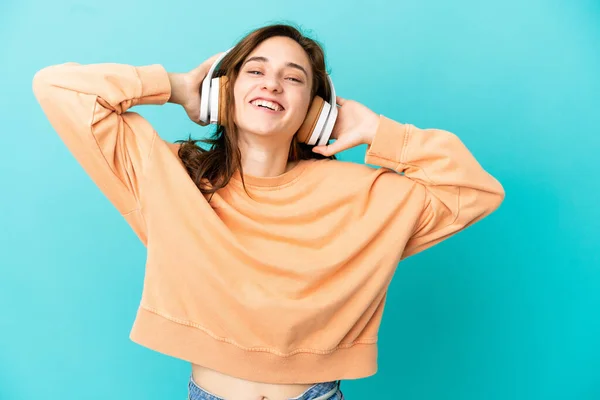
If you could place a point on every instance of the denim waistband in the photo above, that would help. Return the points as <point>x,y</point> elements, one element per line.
<point>319,391</point>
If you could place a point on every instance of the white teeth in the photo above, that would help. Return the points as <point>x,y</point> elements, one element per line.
<point>265,103</point>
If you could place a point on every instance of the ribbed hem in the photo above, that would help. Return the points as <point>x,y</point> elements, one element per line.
<point>191,344</point>
<point>156,87</point>
<point>389,145</point>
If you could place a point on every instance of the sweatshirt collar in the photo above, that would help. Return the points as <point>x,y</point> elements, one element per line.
<point>273,181</point>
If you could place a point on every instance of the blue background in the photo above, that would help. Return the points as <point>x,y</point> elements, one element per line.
<point>507,309</point>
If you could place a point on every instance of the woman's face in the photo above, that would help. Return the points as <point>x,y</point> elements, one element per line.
<point>272,90</point>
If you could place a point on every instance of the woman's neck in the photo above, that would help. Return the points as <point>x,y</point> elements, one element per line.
<point>265,160</point>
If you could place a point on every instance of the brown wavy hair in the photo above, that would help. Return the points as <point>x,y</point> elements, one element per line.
<point>212,168</point>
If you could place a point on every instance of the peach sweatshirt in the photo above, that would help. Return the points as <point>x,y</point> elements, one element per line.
<point>285,286</point>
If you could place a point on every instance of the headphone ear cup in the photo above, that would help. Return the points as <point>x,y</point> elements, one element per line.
<point>223,87</point>
<point>307,128</point>
<point>320,125</point>
<point>213,108</point>
<point>205,100</point>
<point>328,128</point>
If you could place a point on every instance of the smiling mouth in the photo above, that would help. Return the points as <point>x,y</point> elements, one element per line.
<point>267,105</point>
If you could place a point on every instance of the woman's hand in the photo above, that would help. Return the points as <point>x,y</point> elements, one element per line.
<point>185,89</point>
<point>355,124</point>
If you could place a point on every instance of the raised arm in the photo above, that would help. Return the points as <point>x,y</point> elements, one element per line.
<point>87,106</point>
<point>457,191</point>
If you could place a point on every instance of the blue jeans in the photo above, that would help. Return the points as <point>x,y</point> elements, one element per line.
<point>319,391</point>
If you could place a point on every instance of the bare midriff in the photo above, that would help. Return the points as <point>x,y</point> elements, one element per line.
<point>232,388</point>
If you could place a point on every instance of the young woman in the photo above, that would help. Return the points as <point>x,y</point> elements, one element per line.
<point>268,259</point>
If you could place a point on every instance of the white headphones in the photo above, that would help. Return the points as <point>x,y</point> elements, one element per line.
<point>315,130</point>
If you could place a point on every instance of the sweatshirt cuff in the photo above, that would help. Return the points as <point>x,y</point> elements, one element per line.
<point>156,87</point>
<point>388,148</point>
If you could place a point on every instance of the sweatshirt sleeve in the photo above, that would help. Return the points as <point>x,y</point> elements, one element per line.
<point>457,191</point>
<point>87,106</point>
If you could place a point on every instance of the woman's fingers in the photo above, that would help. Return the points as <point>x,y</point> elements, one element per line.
<point>333,148</point>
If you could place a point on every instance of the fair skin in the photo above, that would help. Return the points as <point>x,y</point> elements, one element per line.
<point>277,70</point>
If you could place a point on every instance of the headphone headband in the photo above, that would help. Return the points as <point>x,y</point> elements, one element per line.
<point>215,64</point>
<point>332,98</point>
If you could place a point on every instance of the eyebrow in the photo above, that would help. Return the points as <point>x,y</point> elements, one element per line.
<point>289,64</point>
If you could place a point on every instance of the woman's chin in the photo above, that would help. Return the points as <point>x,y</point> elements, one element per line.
<point>265,131</point>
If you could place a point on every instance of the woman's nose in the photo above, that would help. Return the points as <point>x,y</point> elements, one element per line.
<point>272,84</point>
